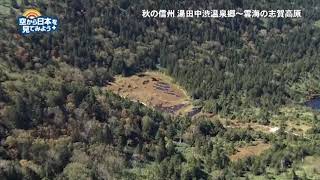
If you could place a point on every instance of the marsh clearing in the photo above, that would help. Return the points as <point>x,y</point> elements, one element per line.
<point>251,150</point>
<point>154,89</point>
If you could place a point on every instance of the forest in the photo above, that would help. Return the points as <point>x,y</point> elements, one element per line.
<point>57,120</point>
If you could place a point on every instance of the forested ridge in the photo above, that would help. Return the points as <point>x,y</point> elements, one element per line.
<point>58,122</point>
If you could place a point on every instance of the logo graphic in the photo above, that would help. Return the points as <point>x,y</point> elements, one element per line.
<point>31,13</point>
<point>32,21</point>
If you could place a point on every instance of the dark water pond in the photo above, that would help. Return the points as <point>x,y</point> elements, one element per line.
<point>314,103</point>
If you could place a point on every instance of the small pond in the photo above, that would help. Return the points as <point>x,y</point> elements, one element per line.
<point>314,103</point>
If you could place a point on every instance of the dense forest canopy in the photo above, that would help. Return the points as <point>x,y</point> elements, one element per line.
<point>257,59</point>
<point>58,122</point>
